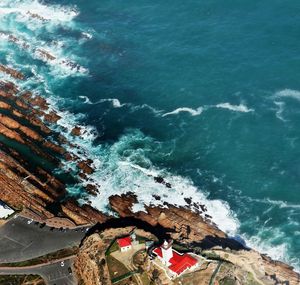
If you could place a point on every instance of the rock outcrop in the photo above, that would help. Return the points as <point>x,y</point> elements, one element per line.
<point>29,180</point>
<point>32,176</point>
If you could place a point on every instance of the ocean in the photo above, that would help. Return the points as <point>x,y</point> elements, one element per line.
<point>205,94</point>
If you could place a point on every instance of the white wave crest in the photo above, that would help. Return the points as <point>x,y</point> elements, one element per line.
<point>87,35</point>
<point>51,53</point>
<point>269,247</point>
<point>236,108</point>
<point>279,203</point>
<point>122,168</point>
<point>279,112</point>
<point>288,93</point>
<point>115,102</point>
<point>86,100</point>
<point>35,10</point>
<point>146,106</point>
<point>193,112</point>
<point>119,176</point>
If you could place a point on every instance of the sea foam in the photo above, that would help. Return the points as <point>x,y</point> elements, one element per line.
<point>115,102</point>
<point>193,112</point>
<point>295,94</point>
<point>35,10</point>
<point>236,108</point>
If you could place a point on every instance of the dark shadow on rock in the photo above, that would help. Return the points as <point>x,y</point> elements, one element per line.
<point>160,232</point>
<point>210,241</point>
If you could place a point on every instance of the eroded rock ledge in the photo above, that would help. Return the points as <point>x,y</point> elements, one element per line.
<point>30,153</point>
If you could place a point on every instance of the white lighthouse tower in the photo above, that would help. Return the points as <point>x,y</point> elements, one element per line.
<point>167,252</point>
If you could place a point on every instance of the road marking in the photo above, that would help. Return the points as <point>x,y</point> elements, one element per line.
<point>27,246</point>
<point>11,239</point>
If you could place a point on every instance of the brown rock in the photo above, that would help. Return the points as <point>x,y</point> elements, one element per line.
<point>13,73</point>
<point>85,166</point>
<point>76,131</point>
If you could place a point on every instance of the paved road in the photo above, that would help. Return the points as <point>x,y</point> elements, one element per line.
<point>53,274</point>
<point>21,241</point>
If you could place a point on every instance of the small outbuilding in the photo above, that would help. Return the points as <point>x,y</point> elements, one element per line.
<point>125,243</point>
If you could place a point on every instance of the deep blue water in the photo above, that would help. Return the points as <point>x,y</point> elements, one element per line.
<point>204,93</point>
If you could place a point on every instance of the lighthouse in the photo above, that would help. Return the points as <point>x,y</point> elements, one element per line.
<point>176,263</point>
<point>167,251</point>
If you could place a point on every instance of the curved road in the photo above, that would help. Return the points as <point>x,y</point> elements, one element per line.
<point>52,273</point>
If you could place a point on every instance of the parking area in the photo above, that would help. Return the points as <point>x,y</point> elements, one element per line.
<point>57,273</point>
<point>22,239</point>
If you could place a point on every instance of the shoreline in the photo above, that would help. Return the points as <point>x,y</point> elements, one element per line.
<point>38,189</point>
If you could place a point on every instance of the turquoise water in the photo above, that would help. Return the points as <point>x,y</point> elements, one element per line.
<point>203,93</point>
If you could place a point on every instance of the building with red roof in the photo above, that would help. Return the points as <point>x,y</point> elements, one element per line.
<point>124,243</point>
<point>175,262</point>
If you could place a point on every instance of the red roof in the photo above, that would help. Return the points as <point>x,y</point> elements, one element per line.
<point>158,251</point>
<point>179,262</point>
<point>123,242</point>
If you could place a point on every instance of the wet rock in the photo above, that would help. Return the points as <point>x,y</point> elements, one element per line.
<point>188,200</point>
<point>76,131</point>
<point>85,166</point>
<point>159,179</point>
<point>92,189</point>
<point>46,55</point>
<point>36,16</point>
<point>156,197</point>
<point>13,73</point>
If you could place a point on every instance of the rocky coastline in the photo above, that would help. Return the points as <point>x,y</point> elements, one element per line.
<point>30,155</point>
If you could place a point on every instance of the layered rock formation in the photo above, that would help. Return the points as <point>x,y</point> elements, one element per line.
<point>31,154</point>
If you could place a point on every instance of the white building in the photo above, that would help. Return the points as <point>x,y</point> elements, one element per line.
<point>175,262</point>
<point>167,252</point>
<point>125,243</point>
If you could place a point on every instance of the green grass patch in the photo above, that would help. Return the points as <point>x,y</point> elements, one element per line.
<point>251,280</point>
<point>141,239</point>
<point>21,279</point>
<point>211,255</point>
<point>179,247</point>
<point>115,267</point>
<point>112,247</point>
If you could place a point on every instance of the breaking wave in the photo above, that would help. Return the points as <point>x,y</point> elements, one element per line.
<point>280,110</point>
<point>236,108</point>
<point>35,10</point>
<point>193,112</point>
<point>288,93</point>
<point>115,102</point>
